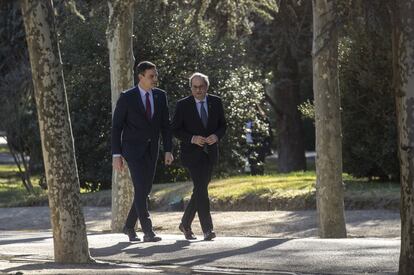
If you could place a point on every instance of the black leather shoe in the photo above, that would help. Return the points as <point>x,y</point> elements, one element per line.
<point>188,234</point>
<point>132,235</point>
<point>209,235</point>
<point>151,238</point>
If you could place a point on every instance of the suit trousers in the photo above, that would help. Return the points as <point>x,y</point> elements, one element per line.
<point>199,202</point>
<point>142,174</point>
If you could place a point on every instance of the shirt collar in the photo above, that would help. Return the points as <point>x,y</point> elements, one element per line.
<point>143,92</point>
<point>204,100</point>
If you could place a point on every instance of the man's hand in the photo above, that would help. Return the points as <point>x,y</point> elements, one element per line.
<point>118,163</point>
<point>198,140</point>
<point>211,139</point>
<point>169,158</point>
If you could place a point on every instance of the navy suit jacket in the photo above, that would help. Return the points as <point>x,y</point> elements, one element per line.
<point>187,123</point>
<point>132,132</point>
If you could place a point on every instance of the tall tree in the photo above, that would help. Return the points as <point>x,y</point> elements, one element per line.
<point>121,57</point>
<point>68,223</point>
<point>285,51</point>
<point>329,190</point>
<point>403,68</point>
<point>367,98</point>
<point>280,42</point>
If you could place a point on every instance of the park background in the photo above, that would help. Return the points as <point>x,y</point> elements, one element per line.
<point>285,67</point>
<point>261,67</point>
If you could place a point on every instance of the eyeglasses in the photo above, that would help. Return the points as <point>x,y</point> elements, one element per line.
<point>198,87</point>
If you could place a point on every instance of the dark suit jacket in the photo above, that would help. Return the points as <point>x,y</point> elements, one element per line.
<point>187,123</point>
<point>132,132</point>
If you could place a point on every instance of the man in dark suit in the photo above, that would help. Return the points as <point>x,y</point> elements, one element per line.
<point>140,116</point>
<point>199,124</point>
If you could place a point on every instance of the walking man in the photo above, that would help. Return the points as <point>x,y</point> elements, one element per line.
<point>199,124</point>
<point>141,116</point>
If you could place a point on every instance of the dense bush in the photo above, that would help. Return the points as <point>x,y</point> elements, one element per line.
<point>18,117</point>
<point>368,116</point>
<point>86,70</point>
<point>179,49</point>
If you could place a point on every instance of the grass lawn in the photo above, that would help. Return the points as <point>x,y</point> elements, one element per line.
<point>12,191</point>
<point>244,192</point>
<point>4,149</point>
<point>281,191</point>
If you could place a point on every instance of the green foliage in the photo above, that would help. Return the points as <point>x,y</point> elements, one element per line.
<point>368,116</point>
<point>229,18</point>
<point>278,47</point>
<point>18,116</point>
<point>85,59</point>
<point>179,50</point>
<point>307,109</point>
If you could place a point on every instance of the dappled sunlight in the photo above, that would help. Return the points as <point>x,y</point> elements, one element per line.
<point>237,187</point>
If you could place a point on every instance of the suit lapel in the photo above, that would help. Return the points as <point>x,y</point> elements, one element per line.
<point>195,111</point>
<point>138,100</point>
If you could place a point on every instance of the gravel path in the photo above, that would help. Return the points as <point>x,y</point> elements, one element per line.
<point>277,224</point>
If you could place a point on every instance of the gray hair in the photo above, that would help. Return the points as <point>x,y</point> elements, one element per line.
<point>203,76</point>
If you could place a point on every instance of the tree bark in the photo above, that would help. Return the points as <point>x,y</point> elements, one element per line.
<point>121,58</point>
<point>69,230</point>
<point>290,135</point>
<point>329,190</point>
<point>403,69</point>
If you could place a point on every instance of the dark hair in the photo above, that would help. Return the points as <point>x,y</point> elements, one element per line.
<point>143,66</point>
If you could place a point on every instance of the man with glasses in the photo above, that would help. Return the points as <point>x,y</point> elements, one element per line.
<point>199,124</point>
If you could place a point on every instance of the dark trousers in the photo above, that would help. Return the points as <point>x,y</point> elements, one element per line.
<point>142,174</point>
<point>201,175</point>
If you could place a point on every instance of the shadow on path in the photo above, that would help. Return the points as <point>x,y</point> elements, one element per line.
<point>26,240</point>
<point>138,251</point>
<point>60,266</point>
<point>206,258</point>
<point>199,259</point>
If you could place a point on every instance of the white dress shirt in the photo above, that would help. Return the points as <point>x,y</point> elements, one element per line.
<point>144,99</point>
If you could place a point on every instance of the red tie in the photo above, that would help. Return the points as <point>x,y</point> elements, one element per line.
<point>148,106</point>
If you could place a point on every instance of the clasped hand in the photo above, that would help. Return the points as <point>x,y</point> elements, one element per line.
<point>200,140</point>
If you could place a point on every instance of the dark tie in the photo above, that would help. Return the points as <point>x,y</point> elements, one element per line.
<point>203,114</point>
<point>147,106</point>
<point>204,118</point>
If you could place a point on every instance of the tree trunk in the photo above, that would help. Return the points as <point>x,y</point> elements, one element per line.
<point>121,58</point>
<point>290,135</point>
<point>69,230</point>
<point>403,69</point>
<point>329,190</point>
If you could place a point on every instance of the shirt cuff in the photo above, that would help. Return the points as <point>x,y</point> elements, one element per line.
<point>116,155</point>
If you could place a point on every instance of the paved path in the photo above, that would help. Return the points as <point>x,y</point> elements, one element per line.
<point>288,244</point>
<point>275,224</point>
<point>32,253</point>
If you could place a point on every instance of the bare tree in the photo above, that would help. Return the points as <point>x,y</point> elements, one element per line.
<point>121,58</point>
<point>68,223</point>
<point>403,69</point>
<point>330,194</point>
